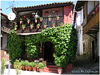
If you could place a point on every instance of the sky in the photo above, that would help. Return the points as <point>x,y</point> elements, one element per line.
<point>24,3</point>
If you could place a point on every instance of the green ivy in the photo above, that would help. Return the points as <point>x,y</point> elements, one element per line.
<point>15,45</point>
<point>63,37</point>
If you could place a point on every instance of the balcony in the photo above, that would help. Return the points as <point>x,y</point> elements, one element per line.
<point>92,25</point>
<point>93,12</point>
<point>35,29</point>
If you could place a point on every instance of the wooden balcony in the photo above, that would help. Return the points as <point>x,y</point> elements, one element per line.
<point>35,30</point>
<point>92,25</point>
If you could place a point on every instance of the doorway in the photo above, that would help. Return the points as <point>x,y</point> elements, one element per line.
<point>48,51</point>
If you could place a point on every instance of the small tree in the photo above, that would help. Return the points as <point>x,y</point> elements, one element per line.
<point>17,66</point>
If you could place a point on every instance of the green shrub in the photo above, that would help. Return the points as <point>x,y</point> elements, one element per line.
<point>41,65</point>
<point>3,65</point>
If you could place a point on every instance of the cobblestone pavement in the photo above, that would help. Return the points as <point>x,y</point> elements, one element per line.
<point>83,65</point>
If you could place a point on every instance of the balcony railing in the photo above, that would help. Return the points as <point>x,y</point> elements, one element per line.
<point>93,12</point>
<point>35,29</point>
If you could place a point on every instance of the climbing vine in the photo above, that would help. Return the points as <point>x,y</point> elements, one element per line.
<point>63,37</point>
<point>15,45</point>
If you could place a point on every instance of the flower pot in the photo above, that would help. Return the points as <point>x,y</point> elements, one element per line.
<point>32,15</point>
<point>49,19</point>
<point>59,71</point>
<point>40,70</point>
<point>38,27</point>
<point>28,22</point>
<point>53,25</point>
<point>31,27</point>
<point>20,22</point>
<point>35,21</point>
<point>12,66</point>
<point>59,67</point>
<point>44,26</point>
<point>30,68</point>
<point>33,68</point>
<point>46,14</point>
<point>40,20</point>
<point>15,28</point>
<point>37,69</point>
<point>26,68</point>
<point>23,28</point>
<point>57,18</point>
<point>23,67</point>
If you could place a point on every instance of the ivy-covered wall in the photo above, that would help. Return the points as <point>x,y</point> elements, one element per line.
<point>63,37</point>
<point>15,46</point>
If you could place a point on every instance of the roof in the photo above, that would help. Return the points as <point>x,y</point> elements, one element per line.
<point>44,6</point>
<point>2,14</point>
<point>79,4</point>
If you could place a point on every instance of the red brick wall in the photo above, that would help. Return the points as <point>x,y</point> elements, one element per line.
<point>67,14</point>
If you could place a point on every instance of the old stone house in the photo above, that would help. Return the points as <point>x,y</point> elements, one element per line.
<point>87,23</point>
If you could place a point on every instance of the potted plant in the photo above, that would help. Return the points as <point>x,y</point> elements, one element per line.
<point>53,24</point>
<point>26,64</point>
<point>41,66</point>
<point>35,20</point>
<point>33,14</point>
<point>15,27</point>
<point>57,17</point>
<point>17,66</point>
<point>22,65</point>
<point>46,13</point>
<point>38,25</point>
<point>61,24</point>
<point>23,26</point>
<point>45,24</point>
<point>28,20</point>
<point>40,59</point>
<point>45,69</point>
<point>33,66</point>
<point>41,18</point>
<point>21,21</point>
<point>30,66</point>
<point>3,61</point>
<point>31,26</point>
<point>37,67</point>
<point>49,17</point>
<point>59,71</point>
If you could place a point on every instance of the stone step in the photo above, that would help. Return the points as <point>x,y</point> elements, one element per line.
<point>54,66</point>
<point>53,71</point>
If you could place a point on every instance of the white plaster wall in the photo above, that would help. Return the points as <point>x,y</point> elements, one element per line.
<point>4,41</point>
<point>96,2</point>
<point>79,18</point>
<point>90,6</point>
<point>79,21</point>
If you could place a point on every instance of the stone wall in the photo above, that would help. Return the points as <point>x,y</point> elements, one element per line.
<point>87,46</point>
